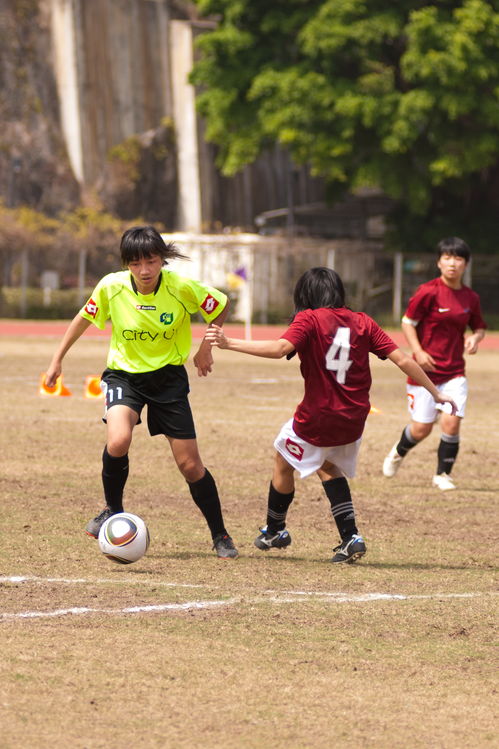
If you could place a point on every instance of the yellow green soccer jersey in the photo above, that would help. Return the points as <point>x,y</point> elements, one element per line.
<point>150,330</point>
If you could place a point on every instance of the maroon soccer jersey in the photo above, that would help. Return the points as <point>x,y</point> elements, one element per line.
<point>334,346</point>
<point>443,315</point>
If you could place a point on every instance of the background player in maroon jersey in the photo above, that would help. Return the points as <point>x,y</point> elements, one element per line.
<point>333,344</point>
<point>434,325</point>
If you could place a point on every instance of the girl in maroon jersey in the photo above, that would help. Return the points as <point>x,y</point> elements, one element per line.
<point>434,325</point>
<point>323,437</point>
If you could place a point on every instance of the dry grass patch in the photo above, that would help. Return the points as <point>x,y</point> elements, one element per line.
<point>284,658</point>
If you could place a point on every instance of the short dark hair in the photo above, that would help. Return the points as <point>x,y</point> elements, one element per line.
<point>146,241</point>
<point>453,246</point>
<point>319,287</point>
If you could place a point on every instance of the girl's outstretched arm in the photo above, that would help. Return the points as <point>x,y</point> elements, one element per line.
<point>413,370</point>
<point>268,349</point>
<point>203,360</point>
<point>75,329</point>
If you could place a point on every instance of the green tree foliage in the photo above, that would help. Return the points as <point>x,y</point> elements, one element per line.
<point>401,95</point>
<point>54,243</point>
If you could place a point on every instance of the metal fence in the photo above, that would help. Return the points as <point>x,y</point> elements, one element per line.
<point>377,282</point>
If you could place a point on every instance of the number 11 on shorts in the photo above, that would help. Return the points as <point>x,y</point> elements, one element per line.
<point>114,394</point>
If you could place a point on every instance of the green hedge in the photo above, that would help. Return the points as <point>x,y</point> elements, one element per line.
<point>64,303</point>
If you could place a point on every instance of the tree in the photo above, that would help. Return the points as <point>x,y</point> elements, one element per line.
<point>22,230</point>
<point>403,96</point>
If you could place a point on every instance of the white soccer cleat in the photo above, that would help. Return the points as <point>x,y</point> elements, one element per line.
<point>392,462</point>
<point>443,482</point>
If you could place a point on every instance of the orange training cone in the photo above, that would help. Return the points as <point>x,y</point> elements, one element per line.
<point>57,389</point>
<point>375,410</point>
<point>92,387</point>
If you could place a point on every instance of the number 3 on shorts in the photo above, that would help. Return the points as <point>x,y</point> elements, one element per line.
<point>337,355</point>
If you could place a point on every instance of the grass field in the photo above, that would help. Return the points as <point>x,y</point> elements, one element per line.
<point>279,649</point>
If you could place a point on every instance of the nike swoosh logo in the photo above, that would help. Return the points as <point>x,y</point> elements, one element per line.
<point>444,309</point>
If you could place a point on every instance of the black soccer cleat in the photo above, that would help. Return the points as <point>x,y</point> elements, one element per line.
<point>350,550</point>
<point>93,526</point>
<point>224,546</point>
<point>266,540</point>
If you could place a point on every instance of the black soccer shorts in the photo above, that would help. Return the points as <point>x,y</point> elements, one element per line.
<point>165,393</point>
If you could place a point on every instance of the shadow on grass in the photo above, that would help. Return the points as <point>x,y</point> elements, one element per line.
<point>201,556</point>
<point>206,556</point>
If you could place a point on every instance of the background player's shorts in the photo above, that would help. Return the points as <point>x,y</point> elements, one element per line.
<point>423,408</point>
<point>164,391</point>
<point>306,458</point>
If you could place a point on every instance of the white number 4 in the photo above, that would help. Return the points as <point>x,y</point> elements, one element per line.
<point>337,355</point>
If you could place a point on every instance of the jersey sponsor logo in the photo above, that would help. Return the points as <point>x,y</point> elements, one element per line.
<point>142,335</point>
<point>294,449</point>
<point>210,304</point>
<point>166,318</point>
<point>91,308</point>
<point>145,306</point>
<point>444,309</point>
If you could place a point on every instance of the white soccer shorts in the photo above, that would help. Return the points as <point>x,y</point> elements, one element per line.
<point>306,458</point>
<point>423,408</point>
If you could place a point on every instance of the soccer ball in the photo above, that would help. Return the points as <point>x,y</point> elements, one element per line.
<point>124,538</point>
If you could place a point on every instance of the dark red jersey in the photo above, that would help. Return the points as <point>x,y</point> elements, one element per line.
<point>334,346</point>
<point>442,315</point>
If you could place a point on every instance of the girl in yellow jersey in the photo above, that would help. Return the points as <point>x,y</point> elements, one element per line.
<point>150,308</point>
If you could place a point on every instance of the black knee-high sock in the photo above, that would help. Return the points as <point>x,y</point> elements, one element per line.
<point>114,476</point>
<point>277,509</point>
<point>447,452</point>
<point>205,494</point>
<point>406,442</point>
<point>338,493</point>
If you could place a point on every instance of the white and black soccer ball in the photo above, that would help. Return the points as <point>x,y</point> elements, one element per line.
<point>124,538</point>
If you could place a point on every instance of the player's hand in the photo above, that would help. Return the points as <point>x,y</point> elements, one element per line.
<point>53,372</point>
<point>203,361</point>
<point>216,337</point>
<point>471,344</point>
<point>425,361</point>
<point>445,399</point>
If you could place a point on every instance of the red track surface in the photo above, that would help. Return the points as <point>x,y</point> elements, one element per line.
<point>55,329</point>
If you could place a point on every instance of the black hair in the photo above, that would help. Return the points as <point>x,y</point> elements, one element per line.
<point>453,246</point>
<point>145,241</point>
<point>319,287</point>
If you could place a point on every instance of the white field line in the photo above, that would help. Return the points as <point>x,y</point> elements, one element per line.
<point>303,597</point>
<point>271,596</point>
<point>96,581</point>
<point>258,381</point>
<point>396,596</point>
<point>78,610</point>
